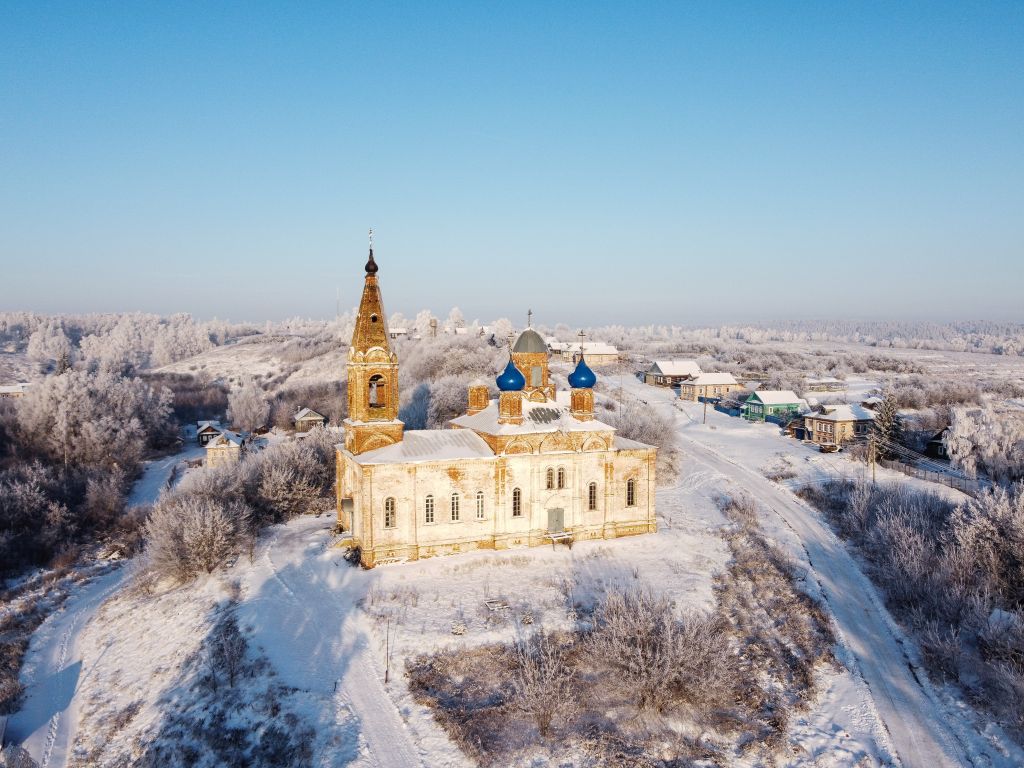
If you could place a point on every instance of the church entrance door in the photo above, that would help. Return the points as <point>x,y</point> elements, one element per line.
<point>556,520</point>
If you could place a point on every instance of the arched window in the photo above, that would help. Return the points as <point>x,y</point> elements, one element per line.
<point>428,509</point>
<point>561,477</point>
<point>479,505</point>
<point>549,478</point>
<point>631,493</point>
<point>378,391</point>
<point>455,507</point>
<point>389,512</point>
<point>517,503</point>
<point>592,497</point>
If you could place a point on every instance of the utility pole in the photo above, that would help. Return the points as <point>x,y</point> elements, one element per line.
<point>705,409</point>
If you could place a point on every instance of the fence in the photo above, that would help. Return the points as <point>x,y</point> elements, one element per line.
<point>969,485</point>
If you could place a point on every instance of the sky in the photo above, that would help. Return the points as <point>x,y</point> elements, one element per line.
<point>602,162</point>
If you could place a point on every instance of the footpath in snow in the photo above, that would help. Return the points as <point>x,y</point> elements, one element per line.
<point>52,672</point>
<point>301,600</point>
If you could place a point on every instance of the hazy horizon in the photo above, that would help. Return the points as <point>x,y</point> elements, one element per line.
<point>689,165</point>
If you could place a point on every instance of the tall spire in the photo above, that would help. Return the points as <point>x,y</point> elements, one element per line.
<point>529,318</point>
<point>371,265</point>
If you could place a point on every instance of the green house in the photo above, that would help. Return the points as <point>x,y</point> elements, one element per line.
<point>773,404</point>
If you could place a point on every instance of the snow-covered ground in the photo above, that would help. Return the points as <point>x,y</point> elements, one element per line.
<point>926,727</point>
<point>53,671</point>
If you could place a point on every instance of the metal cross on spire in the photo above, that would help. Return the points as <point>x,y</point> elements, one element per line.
<point>529,318</point>
<point>371,238</point>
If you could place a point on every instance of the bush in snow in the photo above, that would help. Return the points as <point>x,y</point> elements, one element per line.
<point>542,681</point>
<point>983,442</point>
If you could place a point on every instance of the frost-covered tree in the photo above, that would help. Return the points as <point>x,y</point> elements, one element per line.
<point>502,329</point>
<point>455,319</point>
<point>187,535</point>
<point>980,441</point>
<point>248,406</point>
<point>50,344</point>
<point>424,322</point>
<point>83,418</point>
<point>887,423</point>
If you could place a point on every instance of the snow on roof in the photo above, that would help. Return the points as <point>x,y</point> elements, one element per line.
<point>825,380</point>
<point>676,367</point>
<point>842,413</point>
<point>201,425</point>
<point>430,445</point>
<point>777,396</point>
<point>625,444</point>
<point>395,331</point>
<point>226,439</point>
<point>307,413</point>
<point>549,416</point>
<point>705,379</point>
<point>14,389</point>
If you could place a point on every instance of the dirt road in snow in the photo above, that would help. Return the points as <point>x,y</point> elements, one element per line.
<point>301,601</point>
<point>915,722</point>
<point>53,672</point>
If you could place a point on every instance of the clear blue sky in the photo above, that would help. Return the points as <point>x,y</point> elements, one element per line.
<point>598,162</point>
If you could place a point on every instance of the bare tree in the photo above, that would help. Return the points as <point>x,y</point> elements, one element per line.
<point>189,535</point>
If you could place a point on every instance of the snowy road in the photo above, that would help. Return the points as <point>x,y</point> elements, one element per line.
<point>915,722</point>
<point>301,601</point>
<point>52,672</point>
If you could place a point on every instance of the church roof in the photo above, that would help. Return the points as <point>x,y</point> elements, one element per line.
<point>530,341</point>
<point>549,416</point>
<point>430,445</point>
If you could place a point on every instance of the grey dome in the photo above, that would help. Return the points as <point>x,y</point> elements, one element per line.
<point>530,341</point>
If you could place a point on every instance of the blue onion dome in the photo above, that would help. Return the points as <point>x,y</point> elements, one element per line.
<point>582,377</point>
<point>510,380</point>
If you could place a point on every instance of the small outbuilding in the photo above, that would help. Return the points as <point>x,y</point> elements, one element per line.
<point>14,390</point>
<point>669,373</point>
<point>307,418</point>
<point>718,385</point>
<point>936,448</point>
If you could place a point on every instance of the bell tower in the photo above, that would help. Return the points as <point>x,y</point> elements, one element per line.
<point>372,374</point>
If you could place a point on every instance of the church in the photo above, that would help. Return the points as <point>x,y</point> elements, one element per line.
<point>532,466</point>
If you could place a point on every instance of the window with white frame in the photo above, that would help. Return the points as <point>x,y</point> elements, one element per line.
<point>592,497</point>
<point>428,509</point>
<point>549,479</point>
<point>479,505</point>
<point>455,507</point>
<point>631,493</point>
<point>561,477</point>
<point>389,512</point>
<point>517,502</point>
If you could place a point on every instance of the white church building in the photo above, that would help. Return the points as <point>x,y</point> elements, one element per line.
<point>529,467</point>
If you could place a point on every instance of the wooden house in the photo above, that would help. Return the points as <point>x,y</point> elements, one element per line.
<point>207,430</point>
<point>834,425</point>
<point>936,448</point>
<point>595,352</point>
<point>669,373</point>
<point>226,448</point>
<point>708,385</point>
<point>307,418</point>
<point>14,390</point>
<point>773,405</point>
<point>826,384</point>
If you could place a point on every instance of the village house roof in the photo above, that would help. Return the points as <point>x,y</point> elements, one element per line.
<point>842,412</point>
<point>19,388</point>
<point>204,425</point>
<point>308,414</point>
<point>226,439</point>
<point>778,397</point>
<point>710,379</point>
<point>675,368</point>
